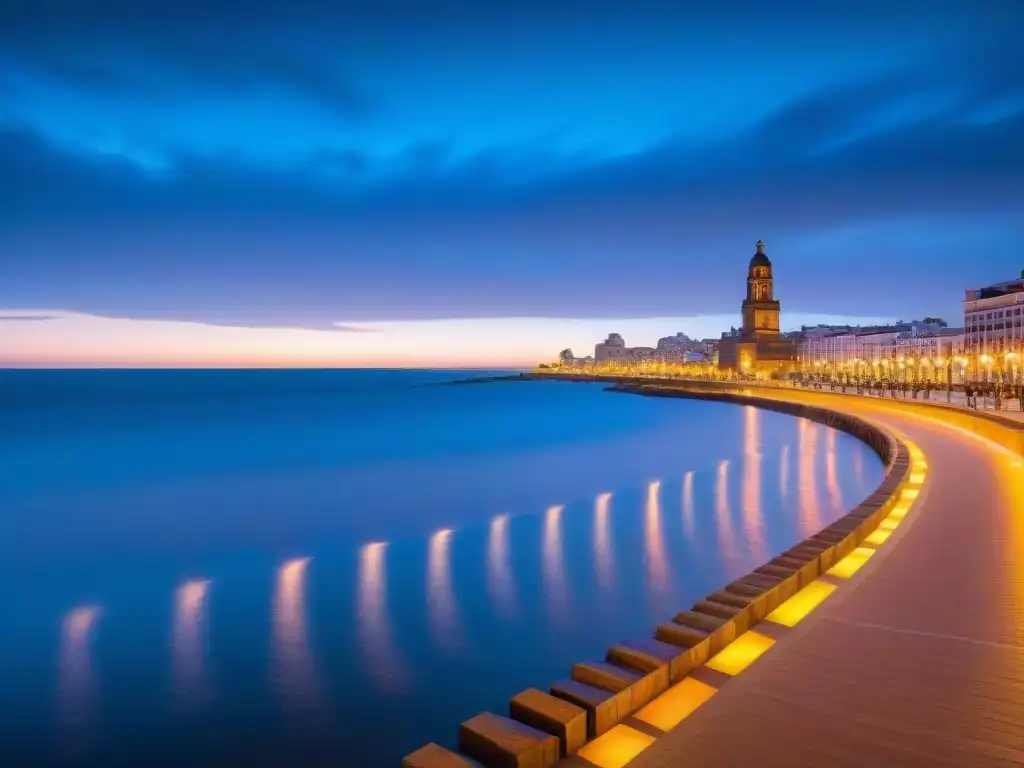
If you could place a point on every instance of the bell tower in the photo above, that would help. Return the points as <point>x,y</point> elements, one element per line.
<point>760,309</point>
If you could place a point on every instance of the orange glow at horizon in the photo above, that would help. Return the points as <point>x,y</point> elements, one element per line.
<point>187,645</point>
<point>657,567</point>
<point>375,635</point>
<point>500,581</point>
<point>602,540</point>
<point>443,611</point>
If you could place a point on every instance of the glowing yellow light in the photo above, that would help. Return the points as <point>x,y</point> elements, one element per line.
<point>616,748</point>
<point>741,653</point>
<point>793,611</point>
<point>899,512</point>
<point>878,538</point>
<point>676,704</point>
<point>889,524</point>
<point>852,563</point>
<point>916,478</point>
<point>909,494</point>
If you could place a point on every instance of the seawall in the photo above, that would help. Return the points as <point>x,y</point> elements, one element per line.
<point>622,691</point>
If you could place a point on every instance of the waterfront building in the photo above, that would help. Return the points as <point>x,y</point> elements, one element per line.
<point>994,327</point>
<point>919,350</point>
<point>758,347</point>
<point>614,350</point>
<point>679,349</point>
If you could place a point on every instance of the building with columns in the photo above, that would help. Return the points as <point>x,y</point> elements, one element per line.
<point>759,347</point>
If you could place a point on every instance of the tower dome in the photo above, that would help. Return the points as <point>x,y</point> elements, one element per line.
<point>760,259</point>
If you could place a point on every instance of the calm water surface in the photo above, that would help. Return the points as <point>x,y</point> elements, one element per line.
<point>338,566</point>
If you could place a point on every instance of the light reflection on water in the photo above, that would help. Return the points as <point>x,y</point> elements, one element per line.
<point>383,658</point>
<point>807,447</point>
<point>295,673</point>
<point>602,540</point>
<point>491,611</point>
<point>76,693</point>
<point>553,566</point>
<point>190,685</point>
<point>723,514</point>
<point>752,522</point>
<point>499,571</point>
<point>443,610</point>
<point>784,473</point>
<point>688,504</point>
<point>657,566</point>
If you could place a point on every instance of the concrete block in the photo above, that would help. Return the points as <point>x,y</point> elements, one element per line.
<point>738,616</point>
<point>435,756</point>
<point>774,570</point>
<point>563,720</point>
<point>642,686</point>
<point>604,709</point>
<point>721,630</point>
<point>731,598</point>
<point>647,655</point>
<point>499,741</point>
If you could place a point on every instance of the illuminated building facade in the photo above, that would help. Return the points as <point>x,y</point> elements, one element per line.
<point>758,347</point>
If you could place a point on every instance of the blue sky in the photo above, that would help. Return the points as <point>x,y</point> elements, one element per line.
<point>314,163</point>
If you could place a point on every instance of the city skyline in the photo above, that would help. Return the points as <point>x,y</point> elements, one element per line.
<point>187,187</point>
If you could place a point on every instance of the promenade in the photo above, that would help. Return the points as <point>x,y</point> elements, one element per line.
<point>919,658</point>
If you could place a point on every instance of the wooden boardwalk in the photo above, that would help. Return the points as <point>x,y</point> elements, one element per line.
<point>916,661</point>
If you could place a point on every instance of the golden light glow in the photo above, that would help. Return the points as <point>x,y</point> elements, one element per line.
<point>657,568</point>
<point>375,635</point>
<point>616,748</point>
<point>889,524</point>
<point>723,517</point>
<point>740,653</point>
<point>442,610</point>
<point>899,511</point>
<point>688,505</point>
<point>553,567</point>
<point>878,537</point>
<point>916,478</point>
<point>676,704</point>
<point>187,641</point>
<point>909,494</point>
<point>602,538</point>
<point>852,563</point>
<point>500,582</point>
<point>794,610</point>
<point>294,663</point>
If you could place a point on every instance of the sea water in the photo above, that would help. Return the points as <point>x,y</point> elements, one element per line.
<point>203,567</point>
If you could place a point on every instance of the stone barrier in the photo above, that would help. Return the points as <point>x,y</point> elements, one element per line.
<point>542,728</point>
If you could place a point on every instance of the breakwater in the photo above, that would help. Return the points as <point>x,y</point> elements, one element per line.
<point>543,727</point>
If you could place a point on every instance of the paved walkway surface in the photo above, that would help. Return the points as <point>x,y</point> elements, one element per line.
<point>918,660</point>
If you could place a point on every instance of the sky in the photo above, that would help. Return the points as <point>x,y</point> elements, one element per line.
<point>469,183</point>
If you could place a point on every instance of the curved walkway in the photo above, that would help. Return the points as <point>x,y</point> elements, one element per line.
<point>919,659</point>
